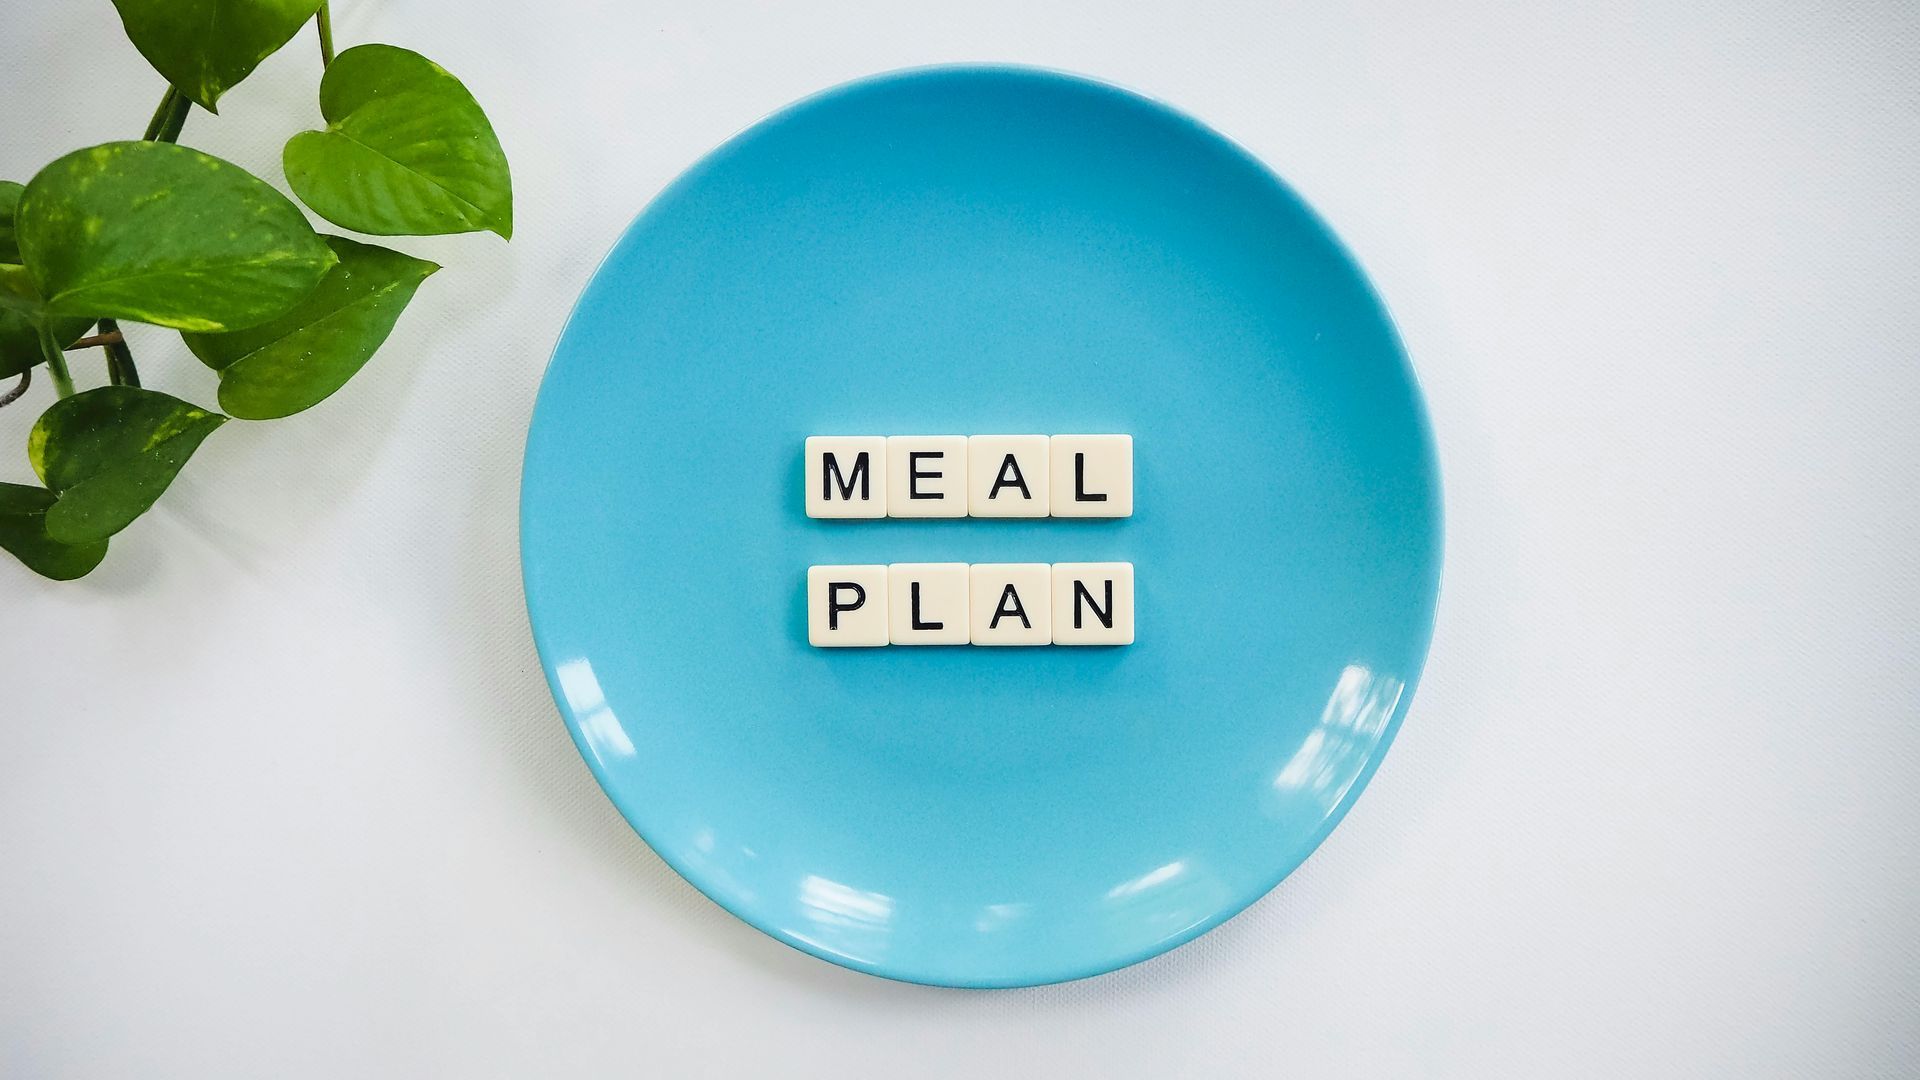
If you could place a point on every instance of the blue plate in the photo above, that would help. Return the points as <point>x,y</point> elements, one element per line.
<point>981,250</point>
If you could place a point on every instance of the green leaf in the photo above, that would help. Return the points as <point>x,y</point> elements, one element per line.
<point>19,343</point>
<point>163,234</point>
<point>205,47</point>
<point>293,362</point>
<point>9,198</point>
<point>23,531</point>
<point>406,151</point>
<point>20,340</point>
<point>109,453</point>
<point>18,292</point>
<point>20,313</point>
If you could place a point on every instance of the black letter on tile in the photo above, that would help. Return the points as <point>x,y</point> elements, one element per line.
<point>1010,465</point>
<point>1080,590</point>
<point>1080,492</point>
<point>1003,610</point>
<point>835,607</point>
<point>914,589</point>
<point>830,472</point>
<point>914,475</point>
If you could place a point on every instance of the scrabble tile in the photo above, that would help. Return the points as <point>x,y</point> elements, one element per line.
<point>1012,603</point>
<point>846,476</point>
<point>1093,603</point>
<point>846,605</point>
<point>927,476</point>
<point>927,604</point>
<point>1008,476</point>
<point>1092,475</point>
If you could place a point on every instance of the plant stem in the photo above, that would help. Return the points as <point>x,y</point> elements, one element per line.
<point>169,117</point>
<point>174,119</point>
<point>13,395</point>
<point>56,361</point>
<point>324,21</point>
<point>119,358</point>
<point>160,113</point>
<point>93,341</point>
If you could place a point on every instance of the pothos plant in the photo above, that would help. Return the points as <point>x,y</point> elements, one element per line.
<point>153,232</point>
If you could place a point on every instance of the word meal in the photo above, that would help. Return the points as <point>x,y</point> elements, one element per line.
<point>984,476</point>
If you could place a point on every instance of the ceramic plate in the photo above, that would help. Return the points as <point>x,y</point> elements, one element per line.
<point>970,251</point>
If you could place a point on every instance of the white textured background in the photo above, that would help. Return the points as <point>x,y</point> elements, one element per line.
<point>282,792</point>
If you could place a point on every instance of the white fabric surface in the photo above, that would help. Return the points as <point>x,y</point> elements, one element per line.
<point>282,791</point>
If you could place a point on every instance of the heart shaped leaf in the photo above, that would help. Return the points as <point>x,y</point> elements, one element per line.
<point>23,532</point>
<point>108,453</point>
<point>9,198</point>
<point>19,343</point>
<point>21,311</point>
<point>204,47</point>
<point>159,233</point>
<point>407,151</point>
<point>20,339</point>
<point>18,292</point>
<point>293,362</point>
